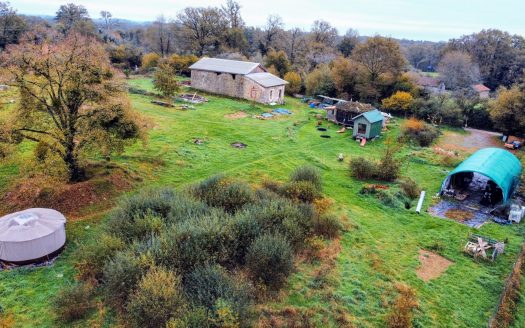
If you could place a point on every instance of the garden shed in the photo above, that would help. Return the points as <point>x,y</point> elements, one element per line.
<point>368,125</point>
<point>490,176</point>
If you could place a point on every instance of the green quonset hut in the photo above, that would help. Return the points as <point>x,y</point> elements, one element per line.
<point>368,125</point>
<point>500,169</point>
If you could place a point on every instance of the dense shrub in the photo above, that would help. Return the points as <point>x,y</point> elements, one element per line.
<point>196,317</point>
<point>270,260</point>
<point>417,131</point>
<point>73,302</point>
<point>410,188</point>
<point>207,240</point>
<point>389,167</point>
<point>328,226</point>
<point>151,203</point>
<point>362,168</point>
<point>93,256</point>
<point>157,298</point>
<point>121,276</point>
<point>219,191</point>
<point>304,191</point>
<point>307,173</point>
<point>244,229</point>
<point>210,283</point>
<point>294,221</point>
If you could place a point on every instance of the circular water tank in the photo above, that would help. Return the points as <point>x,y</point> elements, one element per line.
<point>31,235</point>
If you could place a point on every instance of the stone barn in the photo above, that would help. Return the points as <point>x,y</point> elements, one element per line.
<point>237,79</point>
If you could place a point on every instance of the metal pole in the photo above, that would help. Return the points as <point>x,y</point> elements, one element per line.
<point>420,202</point>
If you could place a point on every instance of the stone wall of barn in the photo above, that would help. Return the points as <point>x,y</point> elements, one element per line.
<point>235,85</point>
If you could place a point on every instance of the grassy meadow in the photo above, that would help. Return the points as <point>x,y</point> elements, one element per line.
<point>378,249</point>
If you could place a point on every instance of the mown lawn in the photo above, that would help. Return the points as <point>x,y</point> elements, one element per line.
<point>379,249</point>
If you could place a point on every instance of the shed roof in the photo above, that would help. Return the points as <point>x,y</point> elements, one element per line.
<point>500,165</point>
<point>224,66</point>
<point>480,88</point>
<point>372,116</point>
<point>354,106</point>
<point>266,79</point>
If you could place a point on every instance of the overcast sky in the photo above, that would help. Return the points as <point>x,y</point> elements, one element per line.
<point>413,19</point>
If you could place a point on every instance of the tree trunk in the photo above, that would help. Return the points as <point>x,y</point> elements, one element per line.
<point>75,172</point>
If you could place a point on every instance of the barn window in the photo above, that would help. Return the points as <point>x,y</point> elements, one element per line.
<point>271,94</point>
<point>234,76</point>
<point>280,93</point>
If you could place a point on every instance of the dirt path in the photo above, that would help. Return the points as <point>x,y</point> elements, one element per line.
<point>474,140</point>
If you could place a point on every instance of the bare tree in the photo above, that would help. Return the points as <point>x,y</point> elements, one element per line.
<point>204,28</point>
<point>232,12</point>
<point>274,27</point>
<point>108,19</point>
<point>458,70</point>
<point>324,33</point>
<point>161,36</point>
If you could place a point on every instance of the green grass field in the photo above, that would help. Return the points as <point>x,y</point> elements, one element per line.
<point>379,249</point>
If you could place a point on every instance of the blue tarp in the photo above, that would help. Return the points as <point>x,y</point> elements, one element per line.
<point>282,111</point>
<point>266,115</point>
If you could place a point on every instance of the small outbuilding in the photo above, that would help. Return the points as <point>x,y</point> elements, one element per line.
<point>482,91</point>
<point>31,236</point>
<point>368,125</point>
<point>488,177</point>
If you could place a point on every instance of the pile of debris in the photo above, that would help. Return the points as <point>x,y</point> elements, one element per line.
<point>193,98</point>
<point>484,247</point>
<point>161,103</point>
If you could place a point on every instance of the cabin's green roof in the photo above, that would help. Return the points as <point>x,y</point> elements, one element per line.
<point>500,165</point>
<point>372,116</point>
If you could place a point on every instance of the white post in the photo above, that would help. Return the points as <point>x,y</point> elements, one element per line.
<point>420,202</point>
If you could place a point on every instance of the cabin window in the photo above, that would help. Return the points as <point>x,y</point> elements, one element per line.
<point>271,94</point>
<point>361,128</point>
<point>234,76</point>
<point>280,93</point>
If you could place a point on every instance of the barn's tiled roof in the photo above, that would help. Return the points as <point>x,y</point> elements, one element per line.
<point>266,79</point>
<point>480,88</point>
<point>224,66</point>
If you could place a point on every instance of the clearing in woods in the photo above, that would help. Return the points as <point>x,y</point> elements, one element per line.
<point>379,249</point>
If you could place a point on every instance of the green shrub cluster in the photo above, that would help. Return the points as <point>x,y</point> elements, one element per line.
<point>170,258</point>
<point>74,302</point>
<point>386,169</point>
<point>419,132</point>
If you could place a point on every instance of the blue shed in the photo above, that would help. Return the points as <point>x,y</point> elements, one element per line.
<point>368,125</point>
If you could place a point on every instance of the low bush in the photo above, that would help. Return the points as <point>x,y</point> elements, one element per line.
<point>294,221</point>
<point>328,226</point>
<point>362,168</point>
<point>121,276</point>
<point>196,317</point>
<point>270,260</point>
<point>389,166</point>
<point>207,240</point>
<point>219,191</point>
<point>93,256</point>
<point>208,284</point>
<point>158,297</point>
<point>307,173</point>
<point>410,188</point>
<point>73,302</point>
<point>419,132</point>
<point>151,203</point>
<point>244,230</point>
<point>304,191</point>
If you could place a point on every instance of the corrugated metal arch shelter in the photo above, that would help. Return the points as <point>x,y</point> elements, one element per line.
<point>31,235</point>
<point>499,165</point>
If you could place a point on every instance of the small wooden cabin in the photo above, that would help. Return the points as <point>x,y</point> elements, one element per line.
<point>345,112</point>
<point>368,125</point>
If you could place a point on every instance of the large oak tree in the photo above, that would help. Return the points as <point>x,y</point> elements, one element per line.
<point>72,102</point>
